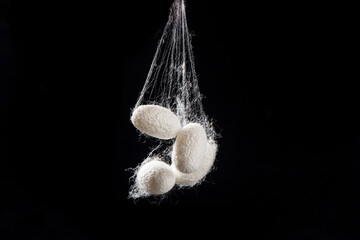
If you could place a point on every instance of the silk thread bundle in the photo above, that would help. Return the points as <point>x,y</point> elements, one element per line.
<point>169,108</point>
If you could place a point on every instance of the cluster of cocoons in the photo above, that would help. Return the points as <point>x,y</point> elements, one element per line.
<point>192,155</point>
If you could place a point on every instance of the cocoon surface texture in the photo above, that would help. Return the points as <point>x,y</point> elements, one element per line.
<point>189,148</point>
<point>155,177</point>
<point>190,179</point>
<point>156,121</point>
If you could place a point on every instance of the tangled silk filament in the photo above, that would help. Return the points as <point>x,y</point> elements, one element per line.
<point>169,108</point>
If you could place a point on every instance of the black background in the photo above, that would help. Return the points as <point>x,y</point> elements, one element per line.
<point>278,79</point>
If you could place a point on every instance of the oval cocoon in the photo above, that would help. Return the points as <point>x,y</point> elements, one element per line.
<point>189,148</point>
<point>190,179</point>
<point>156,121</point>
<point>155,177</point>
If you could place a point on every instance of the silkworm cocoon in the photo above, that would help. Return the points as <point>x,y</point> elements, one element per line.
<point>189,148</point>
<point>155,177</point>
<point>156,121</point>
<point>190,179</point>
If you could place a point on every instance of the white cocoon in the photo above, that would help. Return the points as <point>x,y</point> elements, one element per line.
<point>156,121</point>
<point>189,148</point>
<point>190,179</point>
<point>155,177</point>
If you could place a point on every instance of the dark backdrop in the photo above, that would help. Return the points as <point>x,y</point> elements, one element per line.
<point>278,80</point>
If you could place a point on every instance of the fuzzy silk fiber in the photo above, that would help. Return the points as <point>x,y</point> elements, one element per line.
<point>169,109</point>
